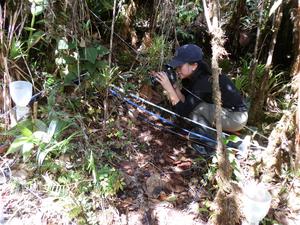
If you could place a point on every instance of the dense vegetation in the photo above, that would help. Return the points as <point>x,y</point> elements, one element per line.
<point>74,144</point>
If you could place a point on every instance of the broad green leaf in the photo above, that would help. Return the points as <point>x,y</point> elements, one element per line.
<point>70,77</point>
<point>70,60</point>
<point>90,67</point>
<point>26,132</point>
<point>43,153</point>
<point>101,64</point>
<point>73,45</point>
<point>91,54</point>
<point>40,125</point>
<point>17,144</point>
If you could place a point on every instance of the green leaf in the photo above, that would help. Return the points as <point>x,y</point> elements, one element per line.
<point>35,38</point>
<point>17,144</point>
<point>29,29</point>
<point>16,50</point>
<point>102,51</point>
<point>90,67</point>
<point>69,78</point>
<point>40,136</point>
<point>91,54</point>
<point>27,147</point>
<point>231,138</point>
<point>40,125</point>
<point>87,25</point>
<point>51,128</point>
<point>26,132</point>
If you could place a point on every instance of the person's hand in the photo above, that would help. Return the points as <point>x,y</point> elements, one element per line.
<point>163,79</point>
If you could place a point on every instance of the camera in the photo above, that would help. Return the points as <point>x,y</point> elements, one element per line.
<point>170,73</point>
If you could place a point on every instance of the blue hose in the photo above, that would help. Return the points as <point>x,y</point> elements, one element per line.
<point>165,121</point>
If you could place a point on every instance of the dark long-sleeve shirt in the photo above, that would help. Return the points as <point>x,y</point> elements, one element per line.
<point>200,85</point>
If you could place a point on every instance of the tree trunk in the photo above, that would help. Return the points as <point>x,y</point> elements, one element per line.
<point>296,83</point>
<point>225,200</point>
<point>153,16</point>
<point>5,43</point>
<point>278,144</point>
<point>279,139</point>
<point>254,62</point>
<point>260,95</point>
<point>233,30</point>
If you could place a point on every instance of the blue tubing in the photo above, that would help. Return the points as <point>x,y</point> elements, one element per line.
<point>166,121</point>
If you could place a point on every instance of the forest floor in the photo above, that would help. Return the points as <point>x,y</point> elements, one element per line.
<point>166,182</point>
<point>162,187</point>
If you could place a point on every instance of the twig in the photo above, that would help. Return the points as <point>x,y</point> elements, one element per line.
<point>112,33</point>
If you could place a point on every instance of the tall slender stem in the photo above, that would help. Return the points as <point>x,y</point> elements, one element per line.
<point>112,33</point>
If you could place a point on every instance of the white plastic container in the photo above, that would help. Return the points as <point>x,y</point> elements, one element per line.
<point>21,93</point>
<point>256,203</point>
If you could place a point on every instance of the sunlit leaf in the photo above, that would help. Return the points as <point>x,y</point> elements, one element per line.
<point>41,136</point>
<point>27,147</point>
<point>231,138</point>
<point>26,132</point>
<point>38,6</point>
<point>17,144</point>
<point>29,29</point>
<point>51,128</point>
<point>62,45</point>
<point>16,50</point>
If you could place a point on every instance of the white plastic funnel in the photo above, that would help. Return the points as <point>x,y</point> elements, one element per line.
<point>21,93</point>
<point>256,203</point>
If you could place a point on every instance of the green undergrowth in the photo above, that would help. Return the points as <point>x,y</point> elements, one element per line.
<point>69,149</point>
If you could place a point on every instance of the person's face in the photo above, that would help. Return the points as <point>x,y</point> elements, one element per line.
<point>186,70</point>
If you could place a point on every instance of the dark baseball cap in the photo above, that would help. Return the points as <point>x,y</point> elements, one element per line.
<point>188,53</point>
